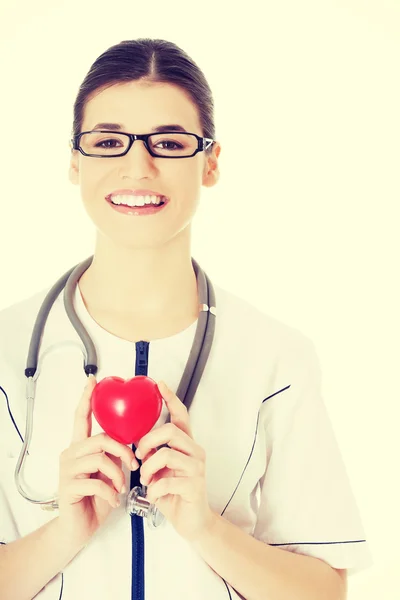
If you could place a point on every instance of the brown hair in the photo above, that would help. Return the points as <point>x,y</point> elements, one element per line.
<point>154,61</point>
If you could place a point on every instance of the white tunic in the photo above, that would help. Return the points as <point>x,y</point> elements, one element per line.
<point>273,466</point>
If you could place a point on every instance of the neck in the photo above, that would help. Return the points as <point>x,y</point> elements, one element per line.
<point>157,282</point>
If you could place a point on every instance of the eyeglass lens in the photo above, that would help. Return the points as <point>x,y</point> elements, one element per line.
<point>112,144</point>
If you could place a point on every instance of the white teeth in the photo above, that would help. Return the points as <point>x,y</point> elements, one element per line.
<point>130,200</point>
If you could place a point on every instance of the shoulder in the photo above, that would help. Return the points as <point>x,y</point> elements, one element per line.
<point>241,322</point>
<point>22,308</point>
<point>17,319</point>
<point>16,326</point>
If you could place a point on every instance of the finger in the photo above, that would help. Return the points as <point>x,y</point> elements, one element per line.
<point>177,409</point>
<point>97,463</point>
<point>171,435</point>
<point>136,445</point>
<point>80,488</point>
<point>103,442</point>
<point>183,466</point>
<point>187,488</point>
<point>82,428</point>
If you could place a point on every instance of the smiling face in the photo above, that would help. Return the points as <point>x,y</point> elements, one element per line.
<point>139,108</point>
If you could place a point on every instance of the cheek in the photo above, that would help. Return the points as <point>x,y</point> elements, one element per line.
<point>186,179</point>
<point>95,183</point>
<point>96,180</point>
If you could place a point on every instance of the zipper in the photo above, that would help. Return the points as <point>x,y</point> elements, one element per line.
<point>137,523</point>
<point>142,355</point>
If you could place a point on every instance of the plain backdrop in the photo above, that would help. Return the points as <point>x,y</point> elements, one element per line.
<point>304,221</point>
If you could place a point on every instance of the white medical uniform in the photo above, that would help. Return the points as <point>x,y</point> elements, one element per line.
<point>273,465</point>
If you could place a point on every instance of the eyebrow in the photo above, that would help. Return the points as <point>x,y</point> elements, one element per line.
<point>158,129</point>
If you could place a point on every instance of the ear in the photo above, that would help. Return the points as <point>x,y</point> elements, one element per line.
<point>211,170</point>
<point>73,172</point>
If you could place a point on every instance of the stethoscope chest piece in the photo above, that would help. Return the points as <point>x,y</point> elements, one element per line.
<point>136,504</point>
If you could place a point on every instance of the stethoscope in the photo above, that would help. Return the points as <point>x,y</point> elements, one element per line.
<point>136,503</point>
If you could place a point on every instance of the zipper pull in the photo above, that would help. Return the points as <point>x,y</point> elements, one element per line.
<point>141,359</point>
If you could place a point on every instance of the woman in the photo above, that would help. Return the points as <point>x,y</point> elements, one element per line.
<point>254,492</point>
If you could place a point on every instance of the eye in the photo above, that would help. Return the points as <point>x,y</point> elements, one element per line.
<point>165,147</point>
<point>100,144</point>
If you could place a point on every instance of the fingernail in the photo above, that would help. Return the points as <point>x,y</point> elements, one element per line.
<point>117,502</point>
<point>138,454</point>
<point>123,489</point>
<point>134,465</point>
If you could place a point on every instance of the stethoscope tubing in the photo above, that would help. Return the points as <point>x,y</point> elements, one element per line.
<point>192,374</point>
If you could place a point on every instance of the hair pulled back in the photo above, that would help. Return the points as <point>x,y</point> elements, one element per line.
<point>153,61</point>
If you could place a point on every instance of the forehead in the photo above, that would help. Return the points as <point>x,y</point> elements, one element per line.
<point>139,107</point>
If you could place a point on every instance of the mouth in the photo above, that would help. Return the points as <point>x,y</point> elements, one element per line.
<point>134,205</point>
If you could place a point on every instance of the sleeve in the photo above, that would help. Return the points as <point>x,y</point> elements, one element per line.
<point>8,442</point>
<point>306,501</point>
<point>8,527</point>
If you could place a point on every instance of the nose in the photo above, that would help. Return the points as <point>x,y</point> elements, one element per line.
<point>138,160</point>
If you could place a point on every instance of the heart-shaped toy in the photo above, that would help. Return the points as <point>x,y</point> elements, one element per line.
<point>126,409</point>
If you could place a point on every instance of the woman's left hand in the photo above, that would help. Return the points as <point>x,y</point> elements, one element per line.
<point>175,476</point>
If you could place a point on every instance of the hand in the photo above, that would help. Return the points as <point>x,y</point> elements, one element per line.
<point>91,476</point>
<point>175,476</point>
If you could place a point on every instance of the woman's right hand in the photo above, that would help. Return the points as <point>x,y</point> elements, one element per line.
<point>91,476</point>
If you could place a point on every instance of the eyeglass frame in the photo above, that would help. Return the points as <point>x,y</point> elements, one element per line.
<point>203,143</point>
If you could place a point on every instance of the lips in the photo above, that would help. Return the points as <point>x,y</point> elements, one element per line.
<point>147,209</point>
<point>163,201</point>
<point>131,192</point>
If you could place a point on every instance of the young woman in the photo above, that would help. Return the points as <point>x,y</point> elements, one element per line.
<point>250,480</point>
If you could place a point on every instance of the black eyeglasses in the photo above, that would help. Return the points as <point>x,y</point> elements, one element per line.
<point>169,144</point>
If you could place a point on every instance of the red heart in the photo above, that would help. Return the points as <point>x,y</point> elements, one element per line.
<point>126,409</point>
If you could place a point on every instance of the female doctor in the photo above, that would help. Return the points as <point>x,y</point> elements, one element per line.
<point>255,496</point>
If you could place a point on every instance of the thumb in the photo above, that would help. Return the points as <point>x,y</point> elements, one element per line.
<point>82,428</point>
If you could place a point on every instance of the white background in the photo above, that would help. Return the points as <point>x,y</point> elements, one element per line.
<point>304,221</point>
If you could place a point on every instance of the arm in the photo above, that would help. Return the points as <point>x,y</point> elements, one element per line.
<point>43,554</point>
<point>259,571</point>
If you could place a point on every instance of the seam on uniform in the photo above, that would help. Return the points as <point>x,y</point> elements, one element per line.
<point>275,393</point>
<point>10,413</point>
<point>62,586</point>
<point>252,449</point>
<point>318,543</point>
<point>227,587</point>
